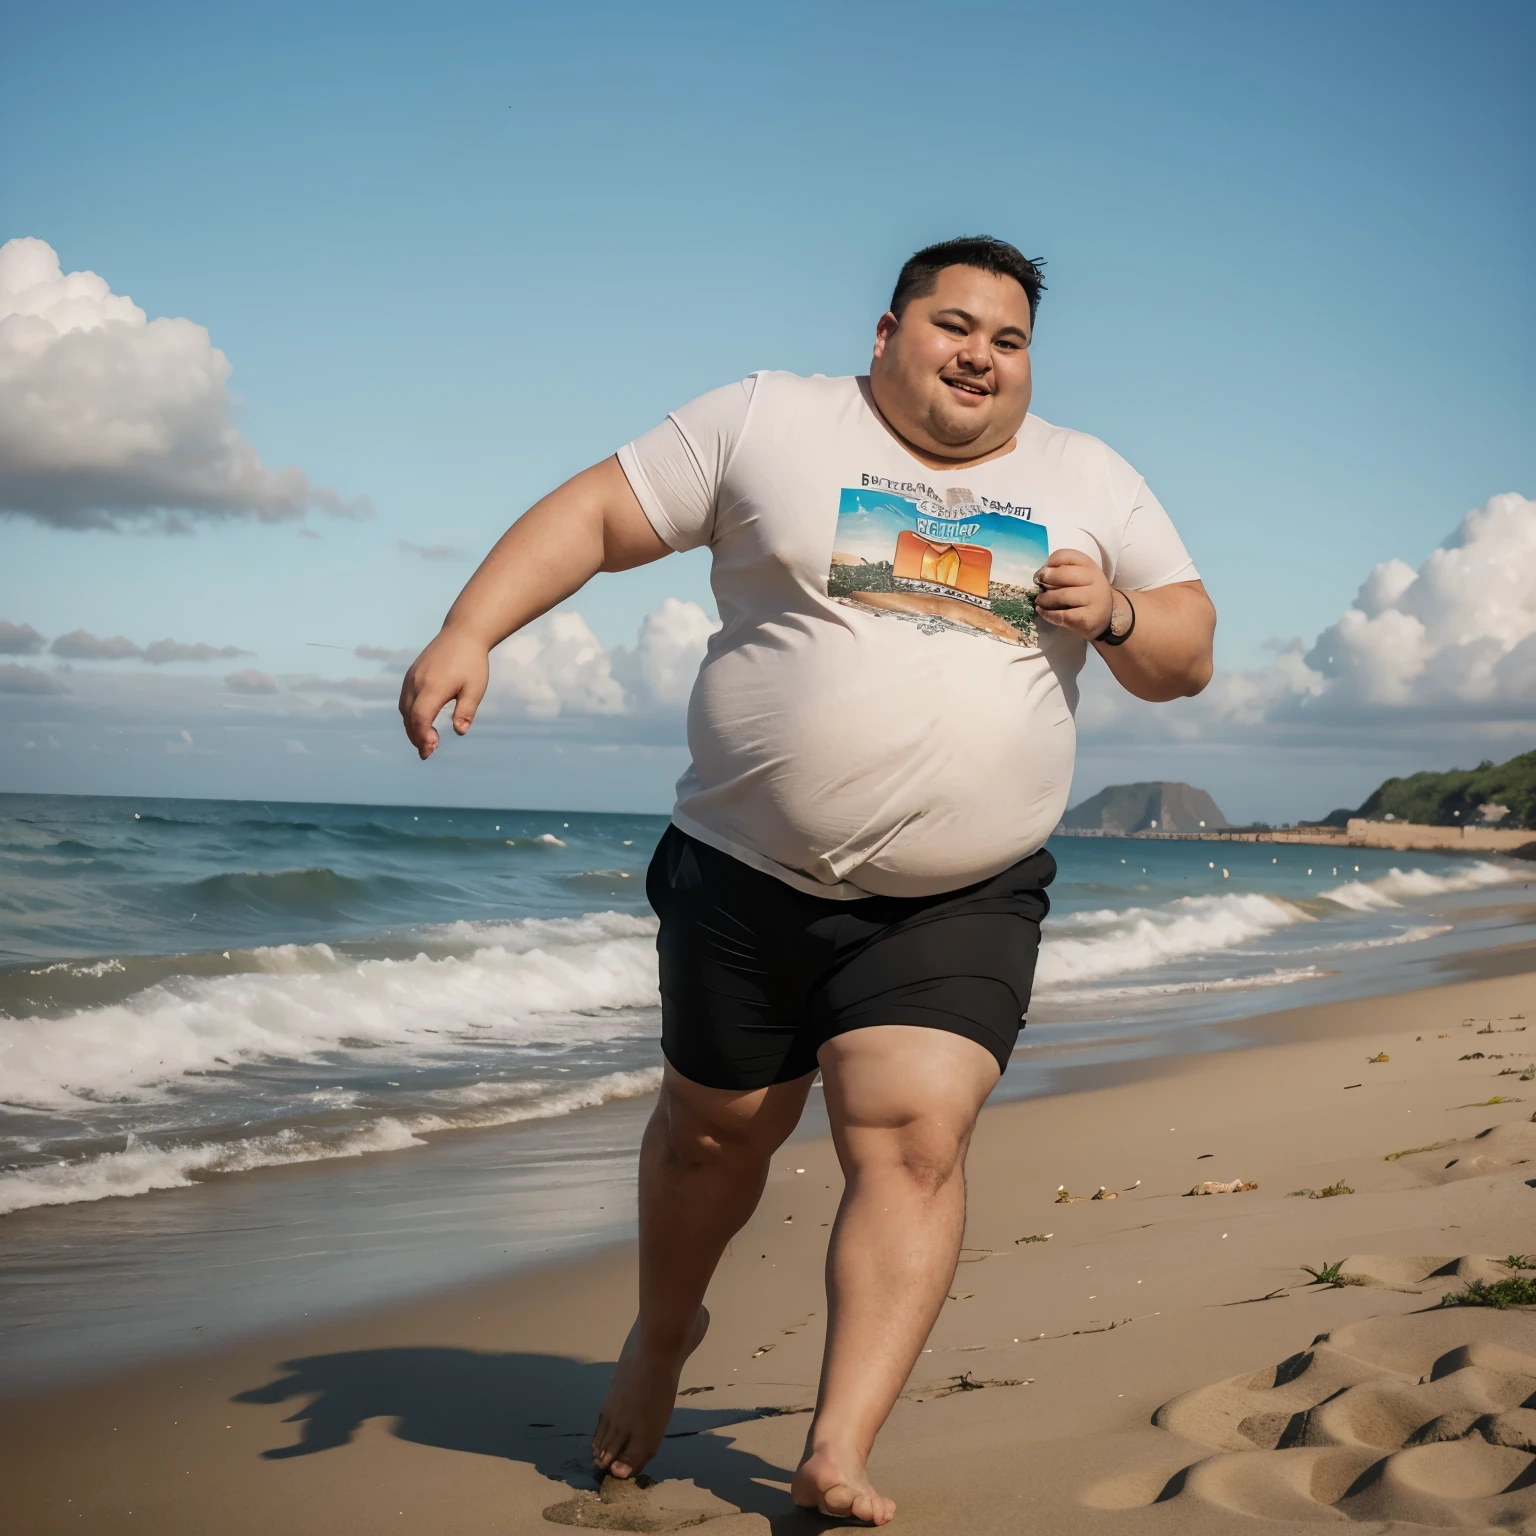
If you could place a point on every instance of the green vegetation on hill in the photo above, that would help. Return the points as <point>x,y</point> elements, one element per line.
<point>1435,799</point>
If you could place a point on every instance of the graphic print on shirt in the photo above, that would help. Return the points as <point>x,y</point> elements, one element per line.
<point>966,562</point>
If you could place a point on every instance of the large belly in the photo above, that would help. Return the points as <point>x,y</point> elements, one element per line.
<point>913,765</point>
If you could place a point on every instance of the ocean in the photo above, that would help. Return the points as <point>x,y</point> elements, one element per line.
<point>194,991</point>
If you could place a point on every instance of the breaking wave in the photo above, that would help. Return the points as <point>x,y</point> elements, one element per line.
<point>520,985</point>
<point>142,1167</point>
<point>1400,885</point>
<point>1085,946</point>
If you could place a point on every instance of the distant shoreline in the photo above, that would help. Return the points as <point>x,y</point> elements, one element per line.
<point>1359,833</point>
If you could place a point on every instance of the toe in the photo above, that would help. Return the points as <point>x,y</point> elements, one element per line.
<point>837,1501</point>
<point>602,1449</point>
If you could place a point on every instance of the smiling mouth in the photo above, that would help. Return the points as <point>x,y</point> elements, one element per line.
<point>967,387</point>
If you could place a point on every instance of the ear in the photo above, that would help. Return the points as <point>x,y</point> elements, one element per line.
<point>884,326</point>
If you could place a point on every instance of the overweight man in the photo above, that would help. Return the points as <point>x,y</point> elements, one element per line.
<point>910,570</point>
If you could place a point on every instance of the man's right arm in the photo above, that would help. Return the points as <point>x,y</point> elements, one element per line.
<point>591,523</point>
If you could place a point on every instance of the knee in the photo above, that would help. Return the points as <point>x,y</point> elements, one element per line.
<point>688,1142</point>
<point>925,1155</point>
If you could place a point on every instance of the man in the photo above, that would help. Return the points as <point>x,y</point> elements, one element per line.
<point>882,740</point>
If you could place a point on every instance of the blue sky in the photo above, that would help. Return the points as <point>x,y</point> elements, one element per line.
<point>456,253</point>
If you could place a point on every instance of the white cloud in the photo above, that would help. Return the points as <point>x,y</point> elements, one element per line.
<point>251,681</point>
<point>16,679</point>
<point>1452,642</point>
<point>82,645</point>
<point>158,652</point>
<point>385,655</point>
<point>108,418</point>
<point>558,697</point>
<point>19,639</point>
<point>659,670</point>
<point>557,666</point>
<point>1460,631</point>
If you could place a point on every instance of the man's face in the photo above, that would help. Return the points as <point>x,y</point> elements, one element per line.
<point>952,375</point>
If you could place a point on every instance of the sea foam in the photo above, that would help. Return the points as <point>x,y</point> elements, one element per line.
<point>142,1167</point>
<point>1400,885</point>
<point>1085,946</point>
<point>519,985</point>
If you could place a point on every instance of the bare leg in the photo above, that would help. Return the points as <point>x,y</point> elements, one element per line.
<point>703,1164</point>
<point>903,1102</point>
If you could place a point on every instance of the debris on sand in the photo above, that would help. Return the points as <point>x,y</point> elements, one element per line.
<point>1104,1193</point>
<point>963,1383</point>
<point>1034,1237</point>
<point>1224,1187</point>
<point>1434,1146</point>
<point>1371,1061</point>
<point>1340,1188</point>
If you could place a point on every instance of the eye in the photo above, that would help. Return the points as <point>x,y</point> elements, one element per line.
<point>951,327</point>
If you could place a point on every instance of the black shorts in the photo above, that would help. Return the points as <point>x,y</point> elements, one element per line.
<point>756,975</point>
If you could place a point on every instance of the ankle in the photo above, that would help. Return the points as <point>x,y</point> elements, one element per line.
<point>665,1335</point>
<point>829,1442</point>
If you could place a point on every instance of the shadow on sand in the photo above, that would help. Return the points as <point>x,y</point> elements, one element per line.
<point>537,1409</point>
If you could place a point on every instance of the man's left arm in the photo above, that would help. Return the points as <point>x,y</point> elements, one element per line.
<point>1167,654</point>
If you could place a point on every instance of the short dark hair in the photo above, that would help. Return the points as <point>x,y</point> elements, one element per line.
<point>920,272</point>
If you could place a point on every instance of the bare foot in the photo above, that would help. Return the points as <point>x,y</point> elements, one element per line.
<point>835,1483</point>
<point>639,1403</point>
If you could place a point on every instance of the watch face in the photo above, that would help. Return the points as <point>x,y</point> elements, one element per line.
<point>1119,619</point>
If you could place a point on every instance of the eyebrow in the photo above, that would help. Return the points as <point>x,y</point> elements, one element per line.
<point>970,319</point>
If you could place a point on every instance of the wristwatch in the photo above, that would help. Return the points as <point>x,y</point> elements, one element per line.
<point>1122,620</point>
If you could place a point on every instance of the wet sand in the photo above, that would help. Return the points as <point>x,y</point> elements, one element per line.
<point>1149,1365</point>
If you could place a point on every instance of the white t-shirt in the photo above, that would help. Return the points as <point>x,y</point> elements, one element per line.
<point>878,713</point>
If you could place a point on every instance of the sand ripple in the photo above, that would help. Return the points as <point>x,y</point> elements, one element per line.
<point>1428,1419</point>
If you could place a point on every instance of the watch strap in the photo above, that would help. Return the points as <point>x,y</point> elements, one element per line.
<point>1109,637</point>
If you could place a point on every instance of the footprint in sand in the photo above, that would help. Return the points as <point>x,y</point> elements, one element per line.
<point>1428,1419</point>
<point>631,1504</point>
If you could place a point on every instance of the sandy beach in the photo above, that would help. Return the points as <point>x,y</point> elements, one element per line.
<point>1148,1362</point>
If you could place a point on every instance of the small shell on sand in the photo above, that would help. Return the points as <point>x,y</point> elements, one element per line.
<point>1218,1187</point>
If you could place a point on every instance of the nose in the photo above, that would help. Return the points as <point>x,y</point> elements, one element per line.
<point>975,353</point>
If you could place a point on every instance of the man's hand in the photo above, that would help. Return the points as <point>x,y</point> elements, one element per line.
<point>591,523</point>
<point>1074,594</point>
<point>455,666</point>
